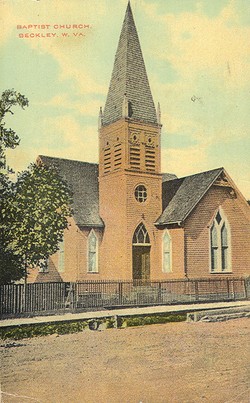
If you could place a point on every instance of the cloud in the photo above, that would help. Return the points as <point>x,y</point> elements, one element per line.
<point>72,53</point>
<point>8,21</point>
<point>63,101</point>
<point>62,137</point>
<point>76,142</point>
<point>203,85</point>
<point>184,162</point>
<point>197,43</point>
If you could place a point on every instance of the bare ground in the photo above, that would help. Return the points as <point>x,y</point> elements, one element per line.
<point>175,362</point>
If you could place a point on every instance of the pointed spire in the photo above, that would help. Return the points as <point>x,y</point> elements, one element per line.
<point>129,77</point>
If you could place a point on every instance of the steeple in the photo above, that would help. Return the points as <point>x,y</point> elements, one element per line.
<point>129,79</point>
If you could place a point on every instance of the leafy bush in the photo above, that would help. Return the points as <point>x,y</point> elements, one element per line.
<point>154,319</point>
<point>27,331</point>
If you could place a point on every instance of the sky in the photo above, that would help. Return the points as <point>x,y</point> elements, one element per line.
<point>60,54</point>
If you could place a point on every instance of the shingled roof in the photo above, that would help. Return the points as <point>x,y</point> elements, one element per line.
<point>180,196</point>
<point>82,178</point>
<point>129,78</point>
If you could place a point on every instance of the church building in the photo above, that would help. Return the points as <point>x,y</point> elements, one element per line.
<point>131,221</point>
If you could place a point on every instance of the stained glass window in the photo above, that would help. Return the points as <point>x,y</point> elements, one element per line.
<point>141,235</point>
<point>92,253</point>
<point>220,245</point>
<point>166,253</point>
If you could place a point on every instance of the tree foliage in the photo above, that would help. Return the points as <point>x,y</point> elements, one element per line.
<point>8,137</point>
<point>11,265</point>
<point>33,210</point>
<point>37,209</point>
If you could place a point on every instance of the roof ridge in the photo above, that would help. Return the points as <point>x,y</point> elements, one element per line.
<point>198,173</point>
<point>67,159</point>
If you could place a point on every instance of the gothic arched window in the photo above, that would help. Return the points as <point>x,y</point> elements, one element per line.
<point>167,253</point>
<point>220,250</point>
<point>141,235</point>
<point>92,252</point>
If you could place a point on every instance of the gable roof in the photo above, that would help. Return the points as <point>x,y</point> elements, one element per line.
<point>168,177</point>
<point>129,78</point>
<point>180,196</point>
<point>82,178</point>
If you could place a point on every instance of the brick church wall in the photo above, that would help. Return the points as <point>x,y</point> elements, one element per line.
<point>75,258</point>
<point>197,240</point>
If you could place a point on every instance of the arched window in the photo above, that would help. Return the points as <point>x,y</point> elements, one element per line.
<point>220,244</point>
<point>141,235</point>
<point>141,193</point>
<point>167,253</point>
<point>92,252</point>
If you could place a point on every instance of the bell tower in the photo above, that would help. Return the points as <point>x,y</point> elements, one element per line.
<point>129,166</point>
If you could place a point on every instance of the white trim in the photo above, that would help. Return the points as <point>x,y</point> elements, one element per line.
<point>166,232</point>
<point>61,257</point>
<point>92,232</point>
<point>218,227</point>
<point>141,244</point>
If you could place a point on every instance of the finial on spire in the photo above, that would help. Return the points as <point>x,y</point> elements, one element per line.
<point>129,9</point>
<point>159,113</point>
<point>100,119</point>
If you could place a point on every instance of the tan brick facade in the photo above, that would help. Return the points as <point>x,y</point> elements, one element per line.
<point>197,233</point>
<point>115,236</point>
<point>119,209</point>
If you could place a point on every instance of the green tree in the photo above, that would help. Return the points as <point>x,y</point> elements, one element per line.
<point>11,266</point>
<point>33,210</point>
<point>35,213</point>
<point>8,137</point>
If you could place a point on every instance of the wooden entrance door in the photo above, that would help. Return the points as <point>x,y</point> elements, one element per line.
<point>141,262</point>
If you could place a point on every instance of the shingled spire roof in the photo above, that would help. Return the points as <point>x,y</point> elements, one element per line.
<point>129,81</point>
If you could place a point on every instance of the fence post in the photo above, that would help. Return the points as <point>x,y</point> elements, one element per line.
<point>159,292</point>
<point>196,287</point>
<point>23,309</point>
<point>246,287</point>
<point>120,293</point>
<point>233,289</point>
<point>74,293</point>
<point>228,288</point>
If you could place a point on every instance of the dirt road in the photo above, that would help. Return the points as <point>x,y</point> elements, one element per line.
<point>176,362</point>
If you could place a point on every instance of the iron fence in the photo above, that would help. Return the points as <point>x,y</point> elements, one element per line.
<point>92,294</point>
<point>42,298</point>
